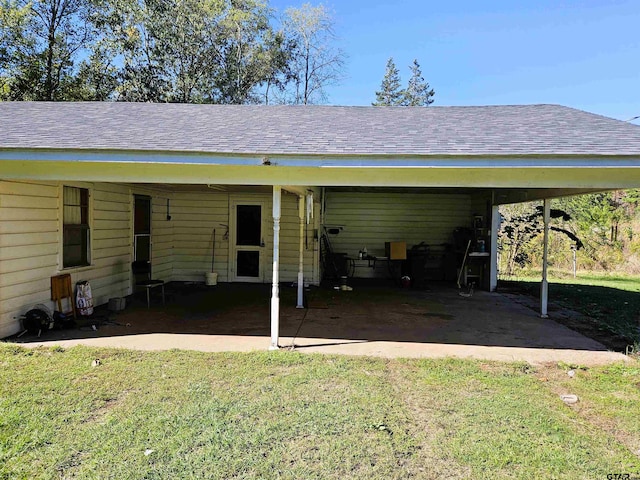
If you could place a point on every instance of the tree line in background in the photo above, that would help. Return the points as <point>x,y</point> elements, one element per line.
<point>191,51</point>
<point>603,224</point>
<point>417,93</point>
<point>188,51</point>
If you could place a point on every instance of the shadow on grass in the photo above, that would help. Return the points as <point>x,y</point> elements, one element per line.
<point>611,314</point>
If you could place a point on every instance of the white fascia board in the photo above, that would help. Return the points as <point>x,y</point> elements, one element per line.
<point>322,161</point>
<point>609,173</point>
<point>188,158</point>
<point>470,163</point>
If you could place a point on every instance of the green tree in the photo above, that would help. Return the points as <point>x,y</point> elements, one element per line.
<point>596,219</point>
<point>521,224</point>
<point>97,78</point>
<point>605,222</point>
<point>418,92</point>
<point>46,37</point>
<point>246,53</point>
<point>134,32</point>
<point>13,19</point>
<point>390,93</point>
<point>279,74</point>
<point>315,61</point>
<point>12,22</point>
<point>192,51</point>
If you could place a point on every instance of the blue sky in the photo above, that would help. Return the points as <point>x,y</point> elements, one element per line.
<point>583,54</point>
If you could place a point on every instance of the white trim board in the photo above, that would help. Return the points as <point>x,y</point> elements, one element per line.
<point>610,177</point>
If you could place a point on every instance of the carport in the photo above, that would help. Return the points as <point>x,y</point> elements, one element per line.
<point>374,319</point>
<point>175,153</point>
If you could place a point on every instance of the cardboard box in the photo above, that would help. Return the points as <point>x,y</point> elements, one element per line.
<point>395,250</point>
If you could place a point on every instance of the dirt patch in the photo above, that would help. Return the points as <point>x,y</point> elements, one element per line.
<point>427,461</point>
<point>99,414</point>
<point>69,468</point>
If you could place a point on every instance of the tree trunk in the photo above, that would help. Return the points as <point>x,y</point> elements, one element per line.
<point>306,78</point>
<point>51,41</point>
<point>266,93</point>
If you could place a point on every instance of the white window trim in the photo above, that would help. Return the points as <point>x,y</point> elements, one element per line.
<point>80,268</point>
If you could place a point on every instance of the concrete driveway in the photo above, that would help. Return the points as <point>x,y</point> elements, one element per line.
<point>371,320</point>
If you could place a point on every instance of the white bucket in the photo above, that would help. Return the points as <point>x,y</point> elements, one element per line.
<point>117,304</point>
<point>211,278</point>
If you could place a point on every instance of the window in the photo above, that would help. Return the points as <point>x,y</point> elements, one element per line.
<point>142,228</point>
<point>76,233</point>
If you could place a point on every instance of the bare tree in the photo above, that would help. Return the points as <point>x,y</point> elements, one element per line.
<point>316,62</point>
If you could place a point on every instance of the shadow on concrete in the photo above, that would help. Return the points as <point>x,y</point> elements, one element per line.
<point>606,314</point>
<point>372,312</point>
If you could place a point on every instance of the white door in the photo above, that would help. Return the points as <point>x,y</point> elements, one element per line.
<point>246,240</point>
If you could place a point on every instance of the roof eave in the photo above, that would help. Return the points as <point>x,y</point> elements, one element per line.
<point>462,160</point>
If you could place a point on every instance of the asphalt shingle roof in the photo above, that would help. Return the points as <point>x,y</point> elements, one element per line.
<point>316,130</point>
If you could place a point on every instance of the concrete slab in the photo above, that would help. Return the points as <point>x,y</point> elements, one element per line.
<point>371,320</point>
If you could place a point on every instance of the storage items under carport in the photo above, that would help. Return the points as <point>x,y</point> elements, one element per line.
<point>464,255</point>
<point>431,263</point>
<point>471,255</point>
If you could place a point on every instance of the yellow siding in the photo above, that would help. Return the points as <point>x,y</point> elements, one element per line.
<point>30,241</point>
<point>371,219</point>
<point>195,215</point>
<point>162,238</point>
<point>109,275</point>
<point>30,249</point>
<point>29,245</point>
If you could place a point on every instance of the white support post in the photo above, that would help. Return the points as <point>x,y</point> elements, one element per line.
<point>493,248</point>
<point>544,286</point>
<point>302,214</point>
<point>275,288</point>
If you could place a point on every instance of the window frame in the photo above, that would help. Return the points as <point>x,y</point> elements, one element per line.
<point>88,227</point>
<point>135,236</point>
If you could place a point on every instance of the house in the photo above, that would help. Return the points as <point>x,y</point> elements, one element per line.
<point>86,188</point>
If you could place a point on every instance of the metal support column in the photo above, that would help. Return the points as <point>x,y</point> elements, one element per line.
<point>493,248</point>
<point>544,286</point>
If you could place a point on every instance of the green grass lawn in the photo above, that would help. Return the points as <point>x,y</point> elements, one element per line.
<point>627,283</point>
<point>290,415</point>
<point>612,302</point>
